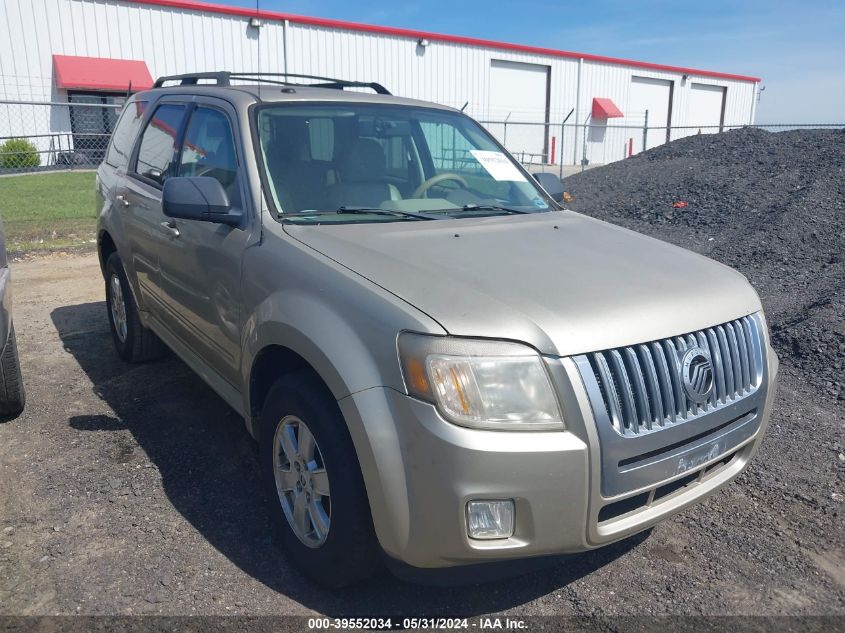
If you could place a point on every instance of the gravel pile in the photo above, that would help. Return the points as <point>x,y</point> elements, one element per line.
<point>771,205</point>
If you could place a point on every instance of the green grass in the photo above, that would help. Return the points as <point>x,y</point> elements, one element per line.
<point>48,211</point>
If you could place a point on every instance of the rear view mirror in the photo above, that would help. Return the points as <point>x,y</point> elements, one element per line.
<point>383,128</point>
<point>198,198</point>
<point>552,184</point>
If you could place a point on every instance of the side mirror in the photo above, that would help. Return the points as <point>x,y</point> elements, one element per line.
<point>198,198</point>
<point>552,184</point>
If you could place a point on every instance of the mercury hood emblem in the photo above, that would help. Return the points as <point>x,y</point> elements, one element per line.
<point>697,374</point>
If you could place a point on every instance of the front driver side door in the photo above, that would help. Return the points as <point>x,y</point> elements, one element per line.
<point>140,199</point>
<point>201,262</point>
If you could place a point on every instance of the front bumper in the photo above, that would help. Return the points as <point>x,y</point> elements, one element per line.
<point>420,472</point>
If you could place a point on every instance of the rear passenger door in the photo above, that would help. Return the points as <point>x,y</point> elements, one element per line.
<point>153,162</point>
<point>201,261</point>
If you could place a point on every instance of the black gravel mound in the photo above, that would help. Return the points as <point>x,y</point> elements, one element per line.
<point>771,205</point>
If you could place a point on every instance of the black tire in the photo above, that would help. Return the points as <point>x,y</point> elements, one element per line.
<point>140,344</point>
<point>350,552</point>
<point>12,393</point>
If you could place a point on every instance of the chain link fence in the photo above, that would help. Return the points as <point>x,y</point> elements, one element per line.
<point>39,136</point>
<point>568,147</point>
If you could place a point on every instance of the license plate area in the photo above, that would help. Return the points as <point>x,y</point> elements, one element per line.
<point>657,466</point>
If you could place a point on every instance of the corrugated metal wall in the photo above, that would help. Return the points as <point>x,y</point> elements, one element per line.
<point>174,41</point>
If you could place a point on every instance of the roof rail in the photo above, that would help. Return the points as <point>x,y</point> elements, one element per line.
<point>225,79</point>
<point>221,79</point>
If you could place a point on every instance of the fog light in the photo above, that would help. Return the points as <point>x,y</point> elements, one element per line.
<point>490,519</point>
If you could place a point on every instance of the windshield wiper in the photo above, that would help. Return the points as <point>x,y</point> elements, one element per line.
<point>435,214</point>
<point>378,211</point>
<point>480,207</point>
<point>360,210</point>
<point>492,207</point>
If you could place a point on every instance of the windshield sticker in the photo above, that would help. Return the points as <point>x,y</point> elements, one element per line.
<point>498,165</point>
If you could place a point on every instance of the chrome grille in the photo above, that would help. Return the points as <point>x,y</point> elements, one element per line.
<point>641,385</point>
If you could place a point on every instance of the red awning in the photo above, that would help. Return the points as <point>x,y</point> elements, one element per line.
<point>605,109</point>
<point>99,73</point>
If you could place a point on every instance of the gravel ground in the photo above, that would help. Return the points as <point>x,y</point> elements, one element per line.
<point>133,489</point>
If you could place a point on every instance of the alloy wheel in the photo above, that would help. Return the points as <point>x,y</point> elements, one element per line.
<point>302,482</point>
<point>118,308</point>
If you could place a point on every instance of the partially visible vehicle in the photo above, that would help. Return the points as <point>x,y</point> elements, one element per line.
<point>12,395</point>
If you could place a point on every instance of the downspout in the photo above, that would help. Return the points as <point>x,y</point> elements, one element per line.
<point>754,97</point>
<point>285,26</point>
<point>577,112</point>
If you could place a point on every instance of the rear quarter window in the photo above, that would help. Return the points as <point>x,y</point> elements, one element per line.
<point>123,138</point>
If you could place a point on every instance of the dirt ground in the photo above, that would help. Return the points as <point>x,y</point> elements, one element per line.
<point>134,489</point>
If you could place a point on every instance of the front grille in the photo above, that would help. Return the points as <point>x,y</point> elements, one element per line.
<point>642,387</point>
<point>649,499</point>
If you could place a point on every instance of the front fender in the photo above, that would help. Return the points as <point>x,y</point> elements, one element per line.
<point>351,349</point>
<point>313,331</point>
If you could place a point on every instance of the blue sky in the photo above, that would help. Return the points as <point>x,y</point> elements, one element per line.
<point>798,48</point>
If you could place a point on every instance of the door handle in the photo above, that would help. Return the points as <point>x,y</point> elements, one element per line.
<point>122,199</point>
<point>170,228</point>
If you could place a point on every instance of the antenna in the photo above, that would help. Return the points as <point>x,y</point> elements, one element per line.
<point>258,28</point>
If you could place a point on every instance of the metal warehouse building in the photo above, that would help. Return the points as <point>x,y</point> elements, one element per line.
<point>545,105</point>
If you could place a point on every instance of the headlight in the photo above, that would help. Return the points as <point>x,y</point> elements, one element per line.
<point>481,384</point>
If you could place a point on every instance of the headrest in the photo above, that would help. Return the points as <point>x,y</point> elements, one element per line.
<point>364,161</point>
<point>216,128</point>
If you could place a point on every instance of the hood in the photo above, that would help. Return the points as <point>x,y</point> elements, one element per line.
<point>561,282</point>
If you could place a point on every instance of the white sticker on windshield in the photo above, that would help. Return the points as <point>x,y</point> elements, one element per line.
<point>498,165</point>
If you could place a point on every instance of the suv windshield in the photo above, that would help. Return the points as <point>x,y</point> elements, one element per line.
<point>386,163</point>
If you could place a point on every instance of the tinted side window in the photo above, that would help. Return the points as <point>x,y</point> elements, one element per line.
<point>209,149</point>
<point>124,134</point>
<point>158,143</point>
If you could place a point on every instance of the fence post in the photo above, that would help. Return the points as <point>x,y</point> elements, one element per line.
<point>562,133</point>
<point>645,132</point>
<point>587,127</point>
<point>505,133</point>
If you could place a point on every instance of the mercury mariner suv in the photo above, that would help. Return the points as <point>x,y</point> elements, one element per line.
<point>441,365</point>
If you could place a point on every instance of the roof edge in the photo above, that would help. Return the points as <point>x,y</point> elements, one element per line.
<point>197,5</point>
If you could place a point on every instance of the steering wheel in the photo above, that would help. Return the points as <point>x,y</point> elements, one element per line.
<point>422,190</point>
<point>221,174</point>
<point>206,170</point>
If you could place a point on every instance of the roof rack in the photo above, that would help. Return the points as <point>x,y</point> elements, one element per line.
<point>225,79</point>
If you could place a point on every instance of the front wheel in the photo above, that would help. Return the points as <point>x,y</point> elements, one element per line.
<point>12,394</point>
<point>314,485</point>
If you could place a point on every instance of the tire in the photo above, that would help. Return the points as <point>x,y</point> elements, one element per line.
<point>12,393</point>
<point>134,343</point>
<point>349,551</point>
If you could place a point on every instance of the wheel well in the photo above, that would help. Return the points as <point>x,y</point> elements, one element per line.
<point>105,246</point>
<point>272,363</point>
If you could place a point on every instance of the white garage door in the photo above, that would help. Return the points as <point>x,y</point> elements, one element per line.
<point>654,96</point>
<point>706,107</point>
<point>521,91</point>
